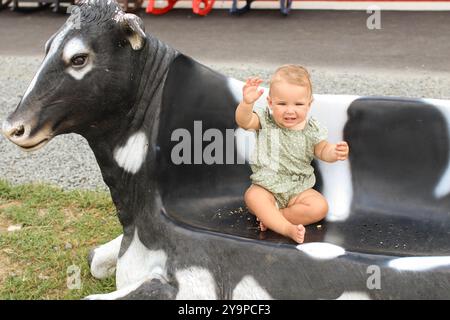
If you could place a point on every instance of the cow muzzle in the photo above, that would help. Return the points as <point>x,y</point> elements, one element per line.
<point>18,132</point>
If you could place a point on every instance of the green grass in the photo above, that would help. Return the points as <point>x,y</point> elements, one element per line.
<point>59,228</point>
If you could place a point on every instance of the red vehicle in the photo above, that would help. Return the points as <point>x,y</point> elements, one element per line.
<point>200,7</point>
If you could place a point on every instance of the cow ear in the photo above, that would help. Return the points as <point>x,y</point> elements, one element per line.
<point>135,30</point>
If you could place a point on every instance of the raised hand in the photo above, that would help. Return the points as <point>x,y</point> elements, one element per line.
<point>250,91</point>
<point>341,150</point>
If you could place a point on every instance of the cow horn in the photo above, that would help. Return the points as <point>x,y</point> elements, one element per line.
<point>135,29</point>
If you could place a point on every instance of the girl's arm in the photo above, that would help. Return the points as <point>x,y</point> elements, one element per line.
<point>245,117</point>
<point>329,152</point>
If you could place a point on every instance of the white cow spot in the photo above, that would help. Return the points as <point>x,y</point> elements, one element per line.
<point>419,263</point>
<point>235,86</point>
<point>331,111</point>
<point>105,257</point>
<point>442,189</point>
<point>139,263</point>
<point>249,289</point>
<point>131,156</point>
<point>245,144</point>
<point>195,283</point>
<point>354,295</point>
<point>72,48</point>
<point>321,250</point>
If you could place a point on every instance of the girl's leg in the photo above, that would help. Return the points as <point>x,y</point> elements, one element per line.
<point>261,203</point>
<point>306,208</point>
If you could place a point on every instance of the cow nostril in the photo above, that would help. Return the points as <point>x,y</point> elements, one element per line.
<point>18,132</point>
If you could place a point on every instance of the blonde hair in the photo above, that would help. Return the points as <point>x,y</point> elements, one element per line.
<point>293,74</point>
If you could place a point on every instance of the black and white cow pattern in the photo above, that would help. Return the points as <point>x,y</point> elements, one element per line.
<point>136,89</point>
<point>338,190</point>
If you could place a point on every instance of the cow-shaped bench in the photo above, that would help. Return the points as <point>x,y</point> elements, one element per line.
<point>186,232</point>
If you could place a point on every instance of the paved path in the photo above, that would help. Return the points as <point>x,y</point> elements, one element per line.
<point>408,41</point>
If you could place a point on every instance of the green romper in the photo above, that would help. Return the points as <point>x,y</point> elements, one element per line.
<point>281,160</point>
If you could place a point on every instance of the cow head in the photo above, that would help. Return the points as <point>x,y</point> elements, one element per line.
<point>89,76</point>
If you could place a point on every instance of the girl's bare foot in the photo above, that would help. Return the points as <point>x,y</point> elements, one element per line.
<point>262,227</point>
<point>296,233</point>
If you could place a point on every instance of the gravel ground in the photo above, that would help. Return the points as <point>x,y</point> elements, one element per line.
<point>68,162</point>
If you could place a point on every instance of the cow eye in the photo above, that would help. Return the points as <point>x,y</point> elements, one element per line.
<point>79,60</point>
